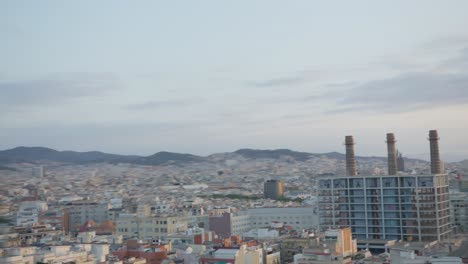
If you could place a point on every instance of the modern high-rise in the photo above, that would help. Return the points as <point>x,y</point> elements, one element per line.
<point>273,189</point>
<point>392,207</point>
<point>409,208</point>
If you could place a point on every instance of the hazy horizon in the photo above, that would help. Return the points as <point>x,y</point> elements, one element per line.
<point>210,77</point>
<point>421,156</point>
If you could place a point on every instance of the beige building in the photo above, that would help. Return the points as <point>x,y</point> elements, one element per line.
<point>249,255</point>
<point>78,253</point>
<point>153,226</point>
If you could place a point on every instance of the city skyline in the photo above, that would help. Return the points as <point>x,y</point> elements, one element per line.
<point>209,77</point>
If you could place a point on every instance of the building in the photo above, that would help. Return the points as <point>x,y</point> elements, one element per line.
<point>229,224</point>
<point>400,162</point>
<point>249,255</point>
<point>77,253</point>
<point>245,254</point>
<point>345,246</point>
<point>296,217</point>
<point>392,207</point>
<point>150,227</point>
<point>28,212</point>
<point>80,212</point>
<point>57,218</point>
<point>415,253</point>
<point>152,253</point>
<point>273,189</point>
<point>459,211</point>
<point>409,208</point>
<point>291,246</point>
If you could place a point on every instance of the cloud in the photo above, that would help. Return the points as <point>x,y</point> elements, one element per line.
<point>299,78</point>
<point>279,81</point>
<point>407,91</point>
<point>155,105</point>
<point>54,89</point>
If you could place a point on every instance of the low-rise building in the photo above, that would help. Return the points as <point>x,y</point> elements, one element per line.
<point>296,217</point>
<point>153,226</point>
<point>78,253</point>
<point>152,253</point>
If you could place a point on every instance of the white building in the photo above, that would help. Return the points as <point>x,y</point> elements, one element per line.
<point>297,217</point>
<point>240,222</point>
<point>408,256</point>
<point>459,211</point>
<point>79,212</point>
<point>152,226</point>
<point>261,233</point>
<point>28,213</point>
<point>78,253</point>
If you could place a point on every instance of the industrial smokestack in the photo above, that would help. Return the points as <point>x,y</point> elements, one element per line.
<point>435,158</point>
<point>392,155</point>
<point>350,162</point>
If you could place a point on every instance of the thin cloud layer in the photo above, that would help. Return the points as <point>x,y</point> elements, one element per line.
<point>149,105</point>
<point>297,79</point>
<point>407,91</point>
<point>55,89</point>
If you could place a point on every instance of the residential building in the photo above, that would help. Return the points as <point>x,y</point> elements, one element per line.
<point>28,212</point>
<point>249,255</point>
<point>79,212</point>
<point>153,226</point>
<point>409,208</point>
<point>335,246</point>
<point>152,253</point>
<point>228,224</point>
<point>459,211</point>
<point>296,217</point>
<point>57,218</point>
<point>78,253</point>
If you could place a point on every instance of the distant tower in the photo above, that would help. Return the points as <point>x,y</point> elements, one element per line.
<point>400,161</point>
<point>350,161</point>
<point>273,189</point>
<point>392,155</point>
<point>434,147</point>
<point>41,172</point>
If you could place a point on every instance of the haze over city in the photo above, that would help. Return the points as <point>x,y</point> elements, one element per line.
<point>234,132</point>
<point>207,76</point>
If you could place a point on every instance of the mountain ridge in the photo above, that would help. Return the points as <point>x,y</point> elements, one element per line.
<point>35,154</point>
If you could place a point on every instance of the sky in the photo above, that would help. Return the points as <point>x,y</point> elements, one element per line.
<point>201,77</point>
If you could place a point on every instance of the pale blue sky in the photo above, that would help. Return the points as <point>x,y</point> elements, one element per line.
<point>139,77</point>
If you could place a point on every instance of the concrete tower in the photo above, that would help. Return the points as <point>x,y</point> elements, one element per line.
<point>392,155</point>
<point>350,161</point>
<point>435,157</point>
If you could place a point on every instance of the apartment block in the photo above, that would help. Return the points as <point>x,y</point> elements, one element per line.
<point>459,211</point>
<point>79,212</point>
<point>297,217</point>
<point>228,224</point>
<point>28,212</point>
<point>409,208</point>
<point>150,226</point>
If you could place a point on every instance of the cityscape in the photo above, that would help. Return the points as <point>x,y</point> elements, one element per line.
<point>249,206</point>
<point>242,132</point>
